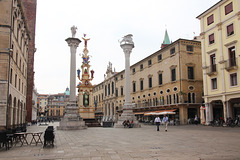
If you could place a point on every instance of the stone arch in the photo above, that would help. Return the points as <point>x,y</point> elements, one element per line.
<point>21,113</point>
<point>14,111</point>
<point>18,111</point>
<point>9,118</point>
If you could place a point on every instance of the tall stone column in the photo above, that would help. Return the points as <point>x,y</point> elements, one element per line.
<point>127,45</point>
<point>72,119</point>
<point>73,44</point>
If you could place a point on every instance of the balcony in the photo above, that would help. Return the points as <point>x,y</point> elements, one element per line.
<point>231,64</point>
<point>212,70</point>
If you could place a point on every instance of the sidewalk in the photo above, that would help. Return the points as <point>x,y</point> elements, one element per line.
<point>180,142</point>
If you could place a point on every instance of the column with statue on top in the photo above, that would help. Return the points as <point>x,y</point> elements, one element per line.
<point>85,88</point>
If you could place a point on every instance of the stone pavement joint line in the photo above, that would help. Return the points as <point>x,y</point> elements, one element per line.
<point>180,142</point>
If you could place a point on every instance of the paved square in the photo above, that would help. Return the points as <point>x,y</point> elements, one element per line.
<point>180,142</point>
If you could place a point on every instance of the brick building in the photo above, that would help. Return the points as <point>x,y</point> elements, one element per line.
<point>30,8</point>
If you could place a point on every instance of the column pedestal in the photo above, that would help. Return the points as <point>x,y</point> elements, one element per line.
<point>127,115</point>
<point>72,119</point>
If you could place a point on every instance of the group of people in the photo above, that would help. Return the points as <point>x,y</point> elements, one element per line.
<point>128,124</point>
<point>157,121</point>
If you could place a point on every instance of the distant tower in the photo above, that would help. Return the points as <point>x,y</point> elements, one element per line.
<point>85,88</point>
<point>166,40</point>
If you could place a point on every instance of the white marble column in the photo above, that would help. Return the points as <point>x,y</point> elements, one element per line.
<point>73,44</point>
<point>210,112</point>
<point>127,50</point>
<point>127,45</point>
<point>207,113</point>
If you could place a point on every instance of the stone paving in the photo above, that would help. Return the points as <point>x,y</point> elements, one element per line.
<point>145,143</point>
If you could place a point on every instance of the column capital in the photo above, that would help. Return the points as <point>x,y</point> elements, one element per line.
<point>73,42</point>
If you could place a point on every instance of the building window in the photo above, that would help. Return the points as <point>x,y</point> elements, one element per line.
<point>17,58</point>
<point>108,89</point>
<point>190,48</point>
<point>133,71</point>
<point>193,98</point>
<point>141,67</point>
<point>159,57</point>
<point>230,30</point>
<point>150,82</point>
<point>149,62</point>
<point>177,97</point>
<point>19,84</point>
<point>210,20</point>
<point>160,79</point>
<point>174,98</point>
<point>233,79</point>
<point>105,90</point>
<point>189,98</point>
<point>112,87</point>
<point>121,76</point>
<point>228,8</point>
<point>213,63</point>
<point>134,86</point>
<point>232,56</point>
<point>121,91</point>
<point>116,78</point>
<point>11,76</point>
<point>190,73</point>
<point>211,38</point>
<point>173,74</point>
<point>141,85</point>
<point>116,92</point>
<point>214,83</point>
<point>172,51</point>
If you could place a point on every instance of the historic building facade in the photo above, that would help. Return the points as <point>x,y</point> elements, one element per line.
<point>14,48</point>
<point>220,30</point>
<point>169,79</point>
<point>52,106</point>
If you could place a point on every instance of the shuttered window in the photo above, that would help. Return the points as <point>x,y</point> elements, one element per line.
<point>211,38</point>
<point>210,20</point>
<point>228,8</point>
<point>230,30</point>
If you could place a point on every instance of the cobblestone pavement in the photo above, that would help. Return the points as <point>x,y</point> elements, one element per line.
<point>180,142</point>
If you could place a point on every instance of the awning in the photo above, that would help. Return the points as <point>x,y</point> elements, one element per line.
<point>161,112</point>
<point>138,113</point>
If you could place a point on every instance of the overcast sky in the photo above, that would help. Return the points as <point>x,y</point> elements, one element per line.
<point>105,22</point>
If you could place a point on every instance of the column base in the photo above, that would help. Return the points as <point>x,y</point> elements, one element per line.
<point>72,119</point>
<point>127,115</point>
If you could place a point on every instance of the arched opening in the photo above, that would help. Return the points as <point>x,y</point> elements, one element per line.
<point>217,107</point>
<point>9,118</point>
<point>18,110</point>
<point>14,111</point>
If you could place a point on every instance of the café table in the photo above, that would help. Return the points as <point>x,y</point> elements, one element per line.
<point>36,137</point>
<point>21,137</point>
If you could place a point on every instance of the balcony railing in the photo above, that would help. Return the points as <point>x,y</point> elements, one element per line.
<point>212,69</point>
<point>231,64</point>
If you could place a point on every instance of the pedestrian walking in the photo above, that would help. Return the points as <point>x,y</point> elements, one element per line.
<point>196,120</point>
<point>165,121</point>
<point>157,122</point>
